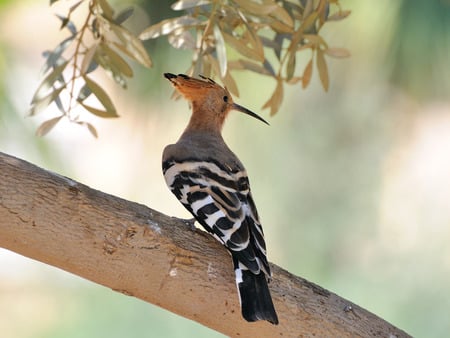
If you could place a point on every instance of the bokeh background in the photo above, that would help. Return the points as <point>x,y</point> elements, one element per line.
<point>353,185</point>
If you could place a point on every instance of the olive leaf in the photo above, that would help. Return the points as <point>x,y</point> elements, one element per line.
<point>307,73</point>
<point>131,46</point>
<point>103,98</point>
<point>275,100</point>
<point>48,125</point>
<point>322,68</point>
<point>337,52</point>
<point>221,51</point>
<point>48,82</point>
<point>43,102</point>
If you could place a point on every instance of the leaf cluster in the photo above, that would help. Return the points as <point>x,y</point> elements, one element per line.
<point>265,36</point>
<point>100,43</point>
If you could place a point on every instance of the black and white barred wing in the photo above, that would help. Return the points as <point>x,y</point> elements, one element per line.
<point>221,202</point>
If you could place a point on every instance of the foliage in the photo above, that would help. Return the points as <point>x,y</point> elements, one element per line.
<point>253,29</point>
<point>101,41</point>
<point>265,36</point>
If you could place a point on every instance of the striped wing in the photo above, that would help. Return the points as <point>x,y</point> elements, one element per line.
<point>221,202</point>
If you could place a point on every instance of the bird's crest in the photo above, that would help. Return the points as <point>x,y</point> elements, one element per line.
<point>205,92</point>
<point>191,87</point>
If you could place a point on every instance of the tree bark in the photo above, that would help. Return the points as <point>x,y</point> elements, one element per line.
<point>140,252</point>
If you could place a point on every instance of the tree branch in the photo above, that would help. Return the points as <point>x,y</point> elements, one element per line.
<point>140,252</point>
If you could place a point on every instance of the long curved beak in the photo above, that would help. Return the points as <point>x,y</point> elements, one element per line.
<point>237,107</point>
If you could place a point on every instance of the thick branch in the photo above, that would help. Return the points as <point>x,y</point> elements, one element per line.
<point>143,253</point>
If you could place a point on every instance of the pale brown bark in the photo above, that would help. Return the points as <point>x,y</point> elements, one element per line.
<point>140,252</point>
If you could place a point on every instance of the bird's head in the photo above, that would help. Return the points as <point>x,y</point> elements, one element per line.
<point>207,97</point>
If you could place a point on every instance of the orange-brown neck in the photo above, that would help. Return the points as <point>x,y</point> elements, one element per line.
<point>207,119</point>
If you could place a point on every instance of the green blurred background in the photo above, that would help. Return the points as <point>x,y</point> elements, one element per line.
<point>353,185</point>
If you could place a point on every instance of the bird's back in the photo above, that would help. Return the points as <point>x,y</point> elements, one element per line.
<point>201,146</point>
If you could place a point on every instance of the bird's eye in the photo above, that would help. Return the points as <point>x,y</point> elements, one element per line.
<point>225,98</point>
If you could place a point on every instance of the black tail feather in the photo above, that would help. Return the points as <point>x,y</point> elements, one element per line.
<point>256,302</point>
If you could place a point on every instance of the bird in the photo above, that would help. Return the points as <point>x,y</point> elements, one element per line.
<point>212,184</point>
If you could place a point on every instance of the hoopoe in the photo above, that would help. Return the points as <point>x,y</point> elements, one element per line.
<point>211,182</point>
